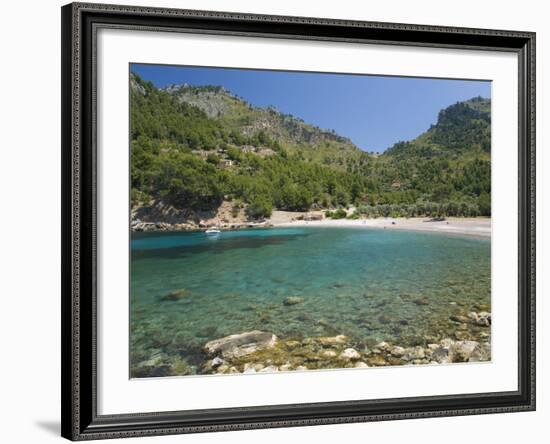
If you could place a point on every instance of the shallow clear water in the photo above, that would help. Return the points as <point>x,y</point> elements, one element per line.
<point>368,284</point>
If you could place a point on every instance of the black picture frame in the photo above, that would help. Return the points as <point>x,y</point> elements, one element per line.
<point>80,420</point>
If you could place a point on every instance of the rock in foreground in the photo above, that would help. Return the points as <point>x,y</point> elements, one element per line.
<point>260,352</point>
<point>350,354</point>
<point>237,346</point>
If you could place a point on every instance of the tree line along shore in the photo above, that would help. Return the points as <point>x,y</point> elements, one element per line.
<point>194,149</point>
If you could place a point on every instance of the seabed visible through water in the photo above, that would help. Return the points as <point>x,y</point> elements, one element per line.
<point>369,285</point>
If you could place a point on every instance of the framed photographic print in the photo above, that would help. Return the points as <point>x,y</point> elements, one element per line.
<point>280,221</point>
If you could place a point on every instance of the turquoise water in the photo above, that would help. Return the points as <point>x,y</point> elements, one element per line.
<point>368,284</point>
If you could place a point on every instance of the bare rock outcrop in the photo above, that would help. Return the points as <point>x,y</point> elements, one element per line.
<point>239,345</point>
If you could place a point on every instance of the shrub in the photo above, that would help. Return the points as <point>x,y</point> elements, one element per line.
<point>213,159</point>
<point>484,203</point>
<point>137,197</point>
<point>259,208</point>
<point>338,214</point>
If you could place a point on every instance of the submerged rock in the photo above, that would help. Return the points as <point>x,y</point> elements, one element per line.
<point>239,345</point>
<point>161,364</point>
<point>180,367</point>
<point>330,340</point>
<point>421,301</point>
<point>175,295</point>
<point>208,331</point>
<point>293,300</point>
<point>459,318</point>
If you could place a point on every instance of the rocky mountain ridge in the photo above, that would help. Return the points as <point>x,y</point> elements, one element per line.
<point>238,114</point>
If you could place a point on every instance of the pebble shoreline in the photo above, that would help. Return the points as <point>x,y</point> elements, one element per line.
<point>262,352</point>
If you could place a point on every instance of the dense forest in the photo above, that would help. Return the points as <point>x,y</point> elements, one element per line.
<point>194,147</point>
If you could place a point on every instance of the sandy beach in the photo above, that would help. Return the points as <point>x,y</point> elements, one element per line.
<point>479,227</point>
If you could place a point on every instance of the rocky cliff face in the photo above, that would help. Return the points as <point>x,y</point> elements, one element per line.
<point>462,128</point>
<point>214,101</point>
<point>237,114</point>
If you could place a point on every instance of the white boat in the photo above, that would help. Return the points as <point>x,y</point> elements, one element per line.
<point>213,231</point>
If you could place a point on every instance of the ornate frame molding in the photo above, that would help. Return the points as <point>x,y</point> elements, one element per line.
<point>79,395</point>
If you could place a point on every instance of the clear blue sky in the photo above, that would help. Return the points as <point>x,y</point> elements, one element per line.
<point>373,111</point>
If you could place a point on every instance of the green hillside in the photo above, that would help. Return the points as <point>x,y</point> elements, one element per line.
<point>194,147</point>
<point>240,117</point>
